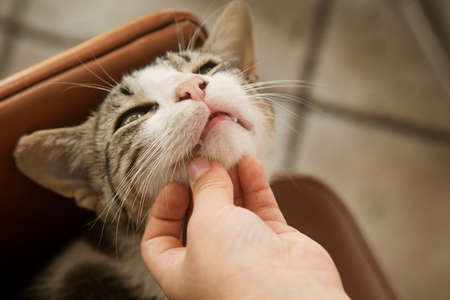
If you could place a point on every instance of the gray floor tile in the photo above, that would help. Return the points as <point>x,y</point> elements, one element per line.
<point>6,7</point>
<point>287,33</point>
<point>288,36</point>
<point>398,189</point>
<point>282,34</point>
<point>371,62</point>
<point>27,52</point>
<point>2,43</point>
<point>3,53</point>
<point>86,19</point>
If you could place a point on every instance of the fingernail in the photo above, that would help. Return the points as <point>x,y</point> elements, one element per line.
<point>197,168</point>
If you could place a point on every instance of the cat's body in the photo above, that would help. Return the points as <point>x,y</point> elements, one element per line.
<point>97,266</point>
<point>186,104</point>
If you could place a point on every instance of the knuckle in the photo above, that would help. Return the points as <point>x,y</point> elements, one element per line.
<point>216,181</point>
<point>214,185</point>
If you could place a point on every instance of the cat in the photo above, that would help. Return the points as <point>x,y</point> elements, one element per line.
<point>186,104</point>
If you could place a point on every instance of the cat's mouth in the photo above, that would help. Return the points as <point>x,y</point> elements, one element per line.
<point>219,116</point>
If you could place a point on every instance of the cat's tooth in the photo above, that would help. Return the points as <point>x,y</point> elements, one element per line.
<point>235,120</point>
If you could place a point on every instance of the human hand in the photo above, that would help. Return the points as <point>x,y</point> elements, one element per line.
<point>233,252</point>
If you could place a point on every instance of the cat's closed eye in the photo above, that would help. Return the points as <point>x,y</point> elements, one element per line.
<point>126,91</point>
<point>134,114</point>
<point>206,67</point>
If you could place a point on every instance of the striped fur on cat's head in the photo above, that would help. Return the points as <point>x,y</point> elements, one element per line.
<point>186,104</point>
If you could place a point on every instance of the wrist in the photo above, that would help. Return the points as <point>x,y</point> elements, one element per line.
<point>285,286</point>
<point>310,293</point>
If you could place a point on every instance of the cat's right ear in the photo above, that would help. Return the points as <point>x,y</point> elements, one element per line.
<point>232,37</point>
<point>52,159</point>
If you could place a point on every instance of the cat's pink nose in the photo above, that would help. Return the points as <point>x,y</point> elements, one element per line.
<point>193,89</point>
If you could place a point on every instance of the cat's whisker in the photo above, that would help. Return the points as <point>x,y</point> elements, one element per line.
<point>155,166</point>
<point>117,234</point>
<point>287,123</point>
<point>149,152</point>
<point>287,110</point>
<point>273,97</point>
<point>121,187</point>
<point>286,84</point>
<point>283,96</point>
<point>277,86</point>
<point>144,161</point>
<point>194,36</point>
<point>85,66</point>
<point>303,101</point>
<point>88,86</point>
<point>280,86</point>
<point>124,191</point>
<point>142,190</point>
<point>277,89</point>
<point>85,85</point>
<point>115,82</point>
<point>178,153</point>
<point>253,65</point>
<point>180,35</point>
<point>294,81</point>
<point>112,203</point>
<point>139,165</point>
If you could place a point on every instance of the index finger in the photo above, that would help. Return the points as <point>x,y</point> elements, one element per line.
<point>165,221</point>
<point>256,192</point>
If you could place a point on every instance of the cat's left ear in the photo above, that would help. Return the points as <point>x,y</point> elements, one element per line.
<point>52,158</point>
<point>232,37</point>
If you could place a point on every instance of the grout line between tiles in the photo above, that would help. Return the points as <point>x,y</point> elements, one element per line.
<point>319,26</point>
<point>383,122</point>
<point>428,40</point>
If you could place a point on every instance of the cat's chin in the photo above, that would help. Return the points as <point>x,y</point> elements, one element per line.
<point>227,143</point>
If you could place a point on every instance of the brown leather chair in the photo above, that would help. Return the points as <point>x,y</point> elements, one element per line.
<point>34,222</point>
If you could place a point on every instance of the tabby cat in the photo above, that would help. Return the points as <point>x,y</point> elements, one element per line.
<point>186,104</point>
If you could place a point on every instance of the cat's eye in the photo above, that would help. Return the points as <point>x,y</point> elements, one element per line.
<point>206,67</point>
<point>126,91</point>
<point>131,118</point>
<point>134,114</point>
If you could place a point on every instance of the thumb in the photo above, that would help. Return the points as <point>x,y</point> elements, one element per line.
<point>210,183</point>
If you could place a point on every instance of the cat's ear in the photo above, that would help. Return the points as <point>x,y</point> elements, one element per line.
<point>232,37</point>
<point>51,158</point>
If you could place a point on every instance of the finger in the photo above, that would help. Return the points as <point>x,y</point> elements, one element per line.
<point>167,216</point>
<point>237,192</point>
<point>256,192</point>
<point>210,183</point>
<point>161,247</point>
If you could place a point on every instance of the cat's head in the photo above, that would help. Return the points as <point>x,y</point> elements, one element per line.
<point>186,104</point>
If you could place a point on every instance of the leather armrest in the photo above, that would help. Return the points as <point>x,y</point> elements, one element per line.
<point>315,210</point>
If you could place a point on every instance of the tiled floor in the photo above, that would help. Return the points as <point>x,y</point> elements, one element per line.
<point>377,126</point>
<point>371,63</point>
<point>398,188</point>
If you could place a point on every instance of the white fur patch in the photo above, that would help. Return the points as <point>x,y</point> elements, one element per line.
<point>175,128</point>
